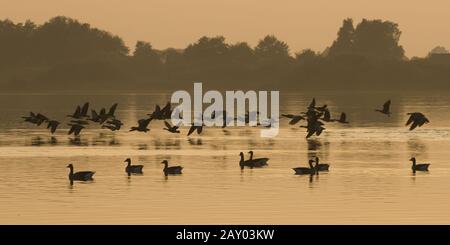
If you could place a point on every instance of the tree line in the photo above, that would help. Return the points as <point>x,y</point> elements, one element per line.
<point>63,53</point>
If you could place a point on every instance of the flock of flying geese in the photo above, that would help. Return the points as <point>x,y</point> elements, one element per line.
<point>315,117</point>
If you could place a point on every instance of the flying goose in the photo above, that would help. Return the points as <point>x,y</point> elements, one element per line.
<point>194,128</point>
<point>52,125</point>
<point>313,127</point>
<point>79,176</point>
<point>416,119</point>
<point>171,170</point>
<point>312,105</point>
<point>170,128</point>
<point>84,110</point>
<point>75,129</point>
<point>94,117</point>
<point>386,108</point>
<point>142,127</point>
<point>135,169</point>
<point>162,114</point>
<point>418,167</point>
<point>81,122</point>
<point>112,110</point>
<point>321,108</point>
<point>76,114</point>
<point>113,124</point>
<point>31,118</point>
<point>294,118</point>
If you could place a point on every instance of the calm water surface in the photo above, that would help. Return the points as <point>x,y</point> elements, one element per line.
<point>370,179</point>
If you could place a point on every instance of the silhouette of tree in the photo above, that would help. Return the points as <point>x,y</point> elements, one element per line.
<point>64,53</point>
<point>438,50</point>
<point>144,54</point>
<point>16,41</point>
<point>62,38</point>
<point>307,56</point>
<point>270,48</point>
<point>207,48</point>
<point>344,42</point>
<point>370,38</point>
<point>241,52</point>
<point>378,39</point>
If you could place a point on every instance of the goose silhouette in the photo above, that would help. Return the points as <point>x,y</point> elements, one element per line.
<point>52,125</point>
<point>133,169</point>
<point>171,170</point>
<point>142,125</point>
<point>418,167</point>
<point>303,170</point>
<point>343,118</point>
<point>75,129</point>
<point>193,128</point>
<point>258,162</point>
<point>416,119</point>
<point>321,166</point>
<point>244,163</point>
<point>294,118</point>
<point>79,176</point>
<point>170,128</point>
<point>386,108</point>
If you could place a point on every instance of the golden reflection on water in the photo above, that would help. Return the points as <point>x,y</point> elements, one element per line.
<point>370,180</point>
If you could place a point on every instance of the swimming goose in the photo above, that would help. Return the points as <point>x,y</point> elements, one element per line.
<point>343,118</point>
<point>142,127</point>
<point>303,170</point>
<point>321,166</point>
<point>135,169</point>
<point>170,128</point>
<point>386,108</point>
<point>245,163</point>
<point>418,167</point>
<point>327,116</point>
<point>80,176</point>
<point>171,170</point>
<point>258,162</point>
<point>416,119</point>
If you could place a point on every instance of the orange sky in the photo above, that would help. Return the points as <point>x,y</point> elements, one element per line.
<point>302,24</point>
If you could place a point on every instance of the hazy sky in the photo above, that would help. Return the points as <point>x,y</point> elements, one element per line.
<point>302,24</point>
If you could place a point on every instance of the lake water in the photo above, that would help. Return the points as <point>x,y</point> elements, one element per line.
<point>370,178</point>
